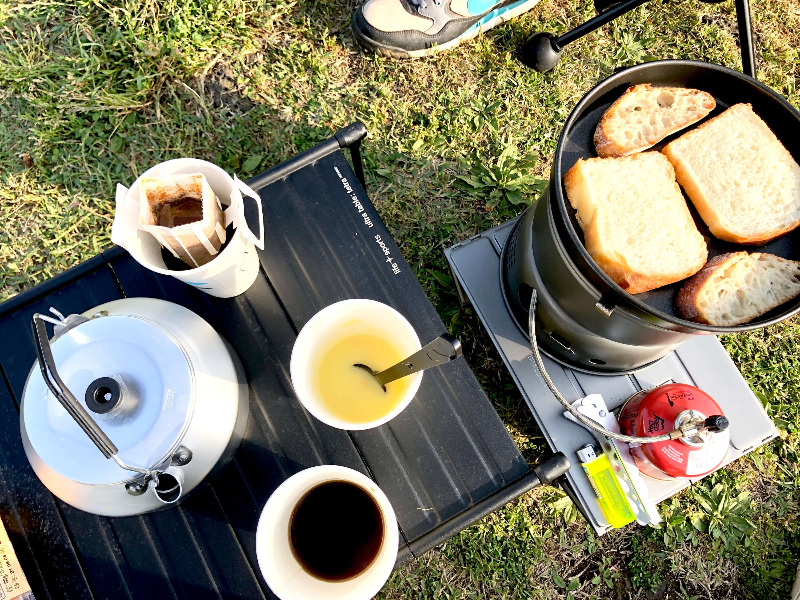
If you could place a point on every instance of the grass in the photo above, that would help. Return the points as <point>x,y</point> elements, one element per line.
<point>93,92</point>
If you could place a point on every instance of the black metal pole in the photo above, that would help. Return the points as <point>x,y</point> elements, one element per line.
<point>746,37</point>
<point>542,474</point>
<point>298,161</point>
<point>358,164</point>
<point>599,21</point>
<point>543,50</point>
<point>351,137</point>
<point>347,137</point>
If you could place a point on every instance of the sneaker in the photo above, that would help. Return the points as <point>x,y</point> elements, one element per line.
<point>416,28</point>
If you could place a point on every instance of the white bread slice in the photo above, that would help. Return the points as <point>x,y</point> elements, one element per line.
<point>743,182</point>
<point>635,221</point>
<point>736,288</point>
<point>644,115</point>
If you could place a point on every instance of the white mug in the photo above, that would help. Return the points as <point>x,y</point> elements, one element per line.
<point>333,323</point>
<point>284,575</point>
<point>233,270</point>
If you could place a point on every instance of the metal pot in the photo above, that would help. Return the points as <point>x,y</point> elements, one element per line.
<point>131,405</point>
<point>584,319</point>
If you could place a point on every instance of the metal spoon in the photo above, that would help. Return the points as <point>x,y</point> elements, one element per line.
<point>441,350</point>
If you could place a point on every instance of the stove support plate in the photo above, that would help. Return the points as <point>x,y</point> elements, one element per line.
<point>702,362</point>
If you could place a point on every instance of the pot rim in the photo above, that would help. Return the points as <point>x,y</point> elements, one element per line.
<point>560,199</point>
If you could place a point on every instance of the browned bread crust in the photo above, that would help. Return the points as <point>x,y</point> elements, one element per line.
<point>686,301</point>
<point>737,287</point>
<point>606,146</point>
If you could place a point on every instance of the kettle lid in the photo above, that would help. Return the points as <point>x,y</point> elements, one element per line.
<point>137,384</point>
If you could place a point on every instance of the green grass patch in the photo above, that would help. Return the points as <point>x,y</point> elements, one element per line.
<point>94,92</point>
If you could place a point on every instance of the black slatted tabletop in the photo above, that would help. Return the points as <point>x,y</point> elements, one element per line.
<point>443,462</point>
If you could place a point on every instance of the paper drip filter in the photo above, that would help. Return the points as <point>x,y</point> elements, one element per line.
<point>229,271</point>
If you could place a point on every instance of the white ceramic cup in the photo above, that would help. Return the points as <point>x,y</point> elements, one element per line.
<point>333,323</point>
<point>284,575</point>
<point>231,272</point>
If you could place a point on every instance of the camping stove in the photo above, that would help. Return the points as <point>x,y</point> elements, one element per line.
<point>573,326</point>
<point>699,361</point>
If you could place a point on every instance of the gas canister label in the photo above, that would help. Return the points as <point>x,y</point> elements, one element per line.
<point>672,454</point>
<point>709,456</point>
<point>12,579</point>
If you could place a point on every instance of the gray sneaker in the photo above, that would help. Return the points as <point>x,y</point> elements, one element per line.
<point>416,28</point>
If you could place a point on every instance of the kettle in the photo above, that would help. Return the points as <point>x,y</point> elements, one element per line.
<point>131,405</point>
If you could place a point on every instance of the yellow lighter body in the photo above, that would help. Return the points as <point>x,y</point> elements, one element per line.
<point>612,500</point>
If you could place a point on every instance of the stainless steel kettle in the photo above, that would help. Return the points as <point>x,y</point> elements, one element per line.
<point>131,405</point>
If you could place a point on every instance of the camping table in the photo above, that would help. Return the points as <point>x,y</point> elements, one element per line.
<point>444,462</point>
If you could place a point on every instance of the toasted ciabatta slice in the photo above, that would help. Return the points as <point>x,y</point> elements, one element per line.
<point>736,288</point>
<point>635,221</point>
<point>743,182</point>
<point>644,115</point>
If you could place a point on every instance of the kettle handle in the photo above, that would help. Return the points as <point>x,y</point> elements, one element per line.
<point>62,393</point>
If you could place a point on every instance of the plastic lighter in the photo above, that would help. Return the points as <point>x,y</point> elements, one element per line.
<point>610,496</point>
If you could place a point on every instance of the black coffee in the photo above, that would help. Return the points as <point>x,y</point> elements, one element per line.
<point>336,531</point>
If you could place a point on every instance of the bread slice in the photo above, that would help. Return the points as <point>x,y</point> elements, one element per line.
<point>743,182</point>
<point>736,288</point>
<point>635,221</point>
<point>644,115</point>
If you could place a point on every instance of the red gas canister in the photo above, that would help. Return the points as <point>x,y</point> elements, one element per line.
<point>662,409</point>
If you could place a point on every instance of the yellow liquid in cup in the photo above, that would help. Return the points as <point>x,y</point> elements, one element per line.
<point>351,394</point>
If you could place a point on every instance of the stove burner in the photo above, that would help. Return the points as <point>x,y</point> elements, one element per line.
<point>103,395</point>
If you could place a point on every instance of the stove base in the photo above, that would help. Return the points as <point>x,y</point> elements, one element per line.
<point>702,362</point>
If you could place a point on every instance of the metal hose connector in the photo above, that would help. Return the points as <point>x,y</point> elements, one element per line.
<point>580,417</point>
